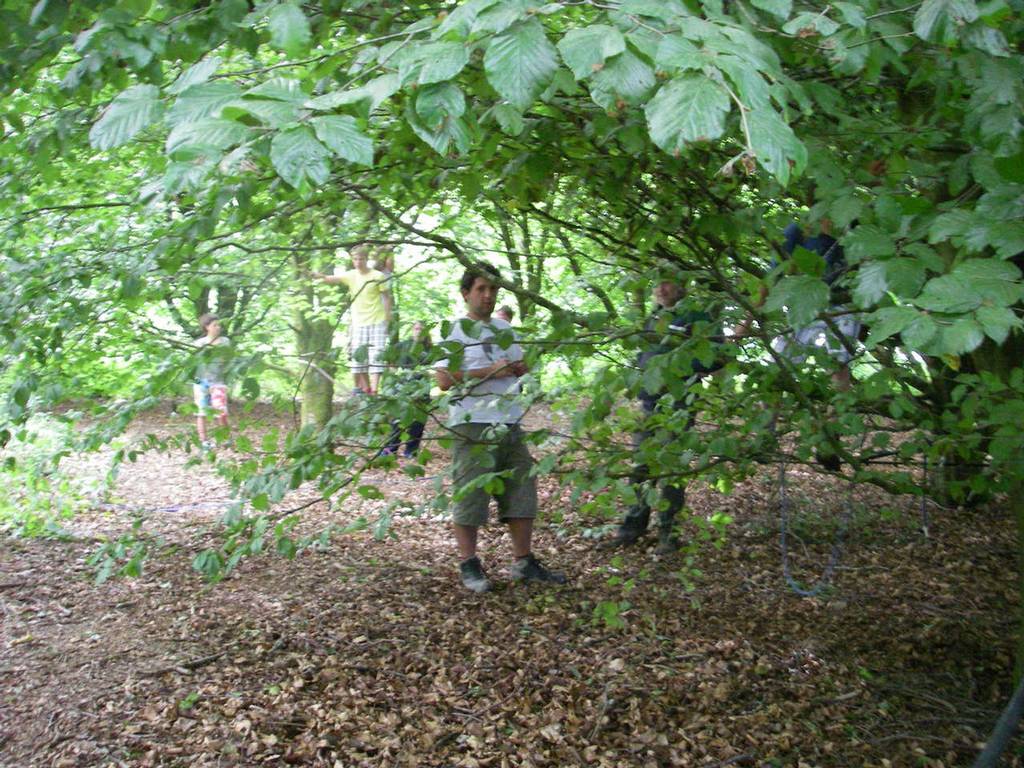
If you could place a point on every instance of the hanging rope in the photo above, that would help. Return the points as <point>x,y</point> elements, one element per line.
<point>926,488</point>
<point>837,547</point>
<point>114,507</point>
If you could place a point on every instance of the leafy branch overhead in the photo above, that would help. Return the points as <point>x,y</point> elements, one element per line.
<point>521,53</point>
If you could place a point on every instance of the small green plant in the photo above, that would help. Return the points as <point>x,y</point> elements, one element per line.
<point>122,557</point>
<point>609,613</point>
<point>36,494</point>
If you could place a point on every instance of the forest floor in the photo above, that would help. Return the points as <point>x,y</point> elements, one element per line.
<point>369,653</point>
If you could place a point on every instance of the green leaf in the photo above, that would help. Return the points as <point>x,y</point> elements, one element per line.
<point>751,87</point>
<point>1007,237</point>
<point>887,322</point>
<point>297,155</point>
<point>452,136</point>
<point>937,20</point>
<point>920,332</point>
<point>803,297</point>
<point>181,176</point>
<point>948,293</point>
<point>1011,168</point>
<point>811,23</point>
<point>808,262</point>
<point>520,62</point>
<point>38,11</point>
<point>211,132</point>
<point>853,15</point>
<point>289,29</point>
<point>585,49</point>
<point>499,16</point>
<point>739,42</point>
<point>376,91</point>
<point>688,108</point>
<point>624,77</point>
<point>984,38</point>
<point>905,276</point>
<point>200,101</point>
<point>963,336</point>
<point>280,88</point>
<point>949,225</point>
<point>871,283</point>
<point>677,52</point>
<point>341,133</point>
<point>780,8</point>
<point>442,61</point>
<point>195,75</point>
<point>462,17</point>
<point>436,103</point>
<point>995,281</point>
<point>775,145</point>
<point>666,10</point>
<point>845,209</point>
<point>273,113</point>
<point>997,322</point>
<point>1003,203</point>
<point>132,110</point>
<point>509,118</point>
<point>931,260</point>
<point>868,241</point>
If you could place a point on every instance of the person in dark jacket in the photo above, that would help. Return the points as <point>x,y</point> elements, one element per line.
<point>411,357</point>
<point>669,324</point>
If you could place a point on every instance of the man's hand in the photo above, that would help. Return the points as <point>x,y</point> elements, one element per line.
<point>500,367</point>
<point>444,379</point>
<point>520,368</point>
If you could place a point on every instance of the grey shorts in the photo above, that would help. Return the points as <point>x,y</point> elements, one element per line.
<point>374,338</point>
<point>809,339</point>
<point>483,449</point>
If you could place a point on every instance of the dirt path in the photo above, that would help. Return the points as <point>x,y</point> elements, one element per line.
<point>368,654</point>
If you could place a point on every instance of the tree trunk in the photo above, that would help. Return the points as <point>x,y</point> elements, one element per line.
<point>313,339</point>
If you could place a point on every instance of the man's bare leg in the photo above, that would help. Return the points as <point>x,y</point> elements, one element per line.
<point>521,531</point>
<point>465,537</point>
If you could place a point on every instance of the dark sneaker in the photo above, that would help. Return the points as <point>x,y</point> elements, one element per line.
<point>472,573</point>
<point>829,461</point>
<point>624,537</point>
<point>529,569</point>
<point>667,545</point>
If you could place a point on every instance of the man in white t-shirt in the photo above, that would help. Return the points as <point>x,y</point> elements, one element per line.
<point>488,437</point>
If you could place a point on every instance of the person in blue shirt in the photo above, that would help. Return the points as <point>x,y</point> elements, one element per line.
<point>818,335</point>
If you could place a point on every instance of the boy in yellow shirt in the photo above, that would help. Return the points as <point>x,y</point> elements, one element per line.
<point>371,314</point>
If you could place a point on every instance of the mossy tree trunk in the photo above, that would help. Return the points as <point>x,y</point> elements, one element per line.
<point>314,337</point>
